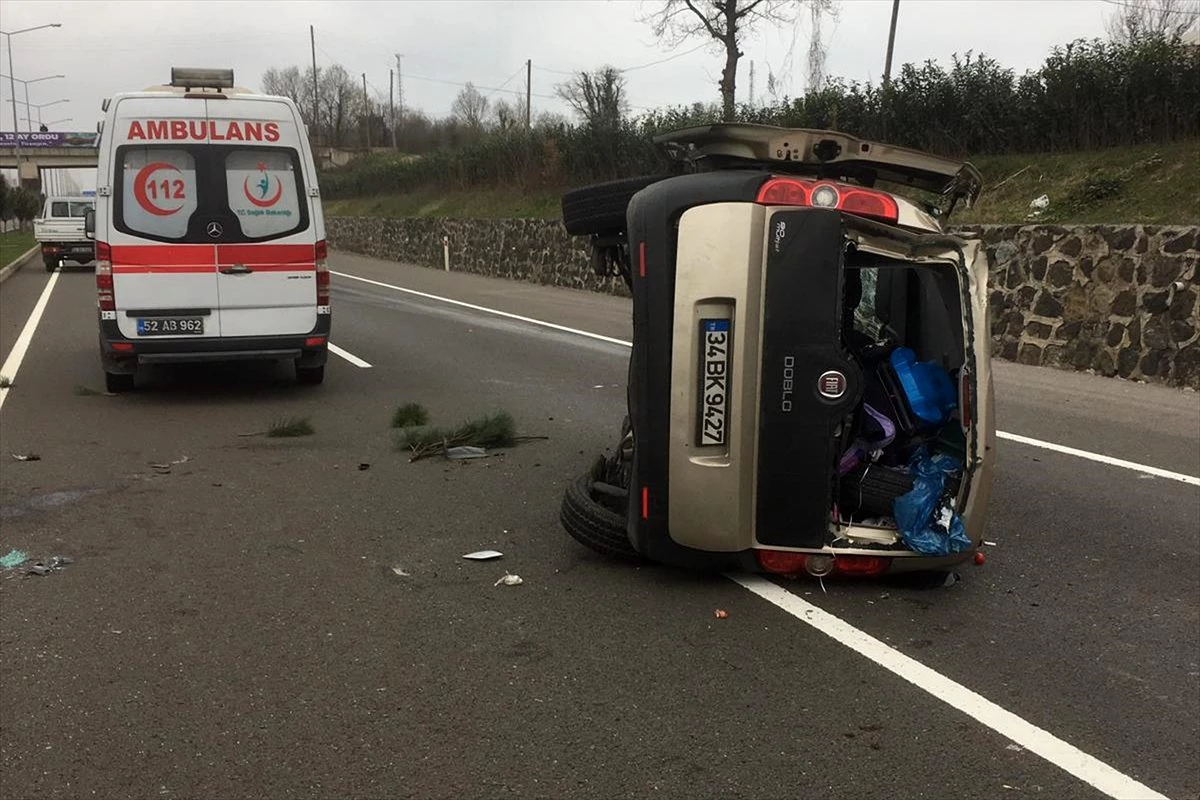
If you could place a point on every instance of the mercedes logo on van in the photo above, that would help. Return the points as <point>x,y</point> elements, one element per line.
<point>215,230</point>
<point>831,384</point>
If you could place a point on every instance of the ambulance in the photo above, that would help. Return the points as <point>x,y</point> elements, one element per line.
<point>210,240</point>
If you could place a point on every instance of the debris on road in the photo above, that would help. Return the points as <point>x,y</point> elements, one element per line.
<point>484,555</point>
<point>363,466</point>
<point>509,580</point>
<point>51,564</point>
<point>720,613</point>
<point>410,415</point>
<point>490,431</point>
<point>289,427</point>
<point>464,452</point>
<point>14,558</point>
<point>400,571</point>
<point>979,559</point>
<point>26,457</point>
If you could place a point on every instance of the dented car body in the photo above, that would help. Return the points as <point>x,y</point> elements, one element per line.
<point>809,386</point>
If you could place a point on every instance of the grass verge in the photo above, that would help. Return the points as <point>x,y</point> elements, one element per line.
<point>13,244</point>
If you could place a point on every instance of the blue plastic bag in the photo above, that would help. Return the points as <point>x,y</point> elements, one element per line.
<point>928,524</point>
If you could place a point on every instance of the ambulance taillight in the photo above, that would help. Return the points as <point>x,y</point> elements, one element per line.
<point>105,297</point>
<point>321,253</point>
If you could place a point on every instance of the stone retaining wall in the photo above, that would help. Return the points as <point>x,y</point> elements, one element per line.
<point>1122,300</point>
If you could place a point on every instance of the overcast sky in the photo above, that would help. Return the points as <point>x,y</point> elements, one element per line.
<point>106,47</point>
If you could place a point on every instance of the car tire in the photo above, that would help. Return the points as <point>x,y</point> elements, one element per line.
<point>117,382</point>
<point>591,524</point>
<point>600,208</point>
<point>310,376</point>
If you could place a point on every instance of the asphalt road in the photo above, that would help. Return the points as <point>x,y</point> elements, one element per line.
<point>235,626</point>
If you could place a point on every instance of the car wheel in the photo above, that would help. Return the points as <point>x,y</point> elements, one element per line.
<point>591,524</point>
<point>310,376</point>
<point>116,382</point>
<point>600,208</point>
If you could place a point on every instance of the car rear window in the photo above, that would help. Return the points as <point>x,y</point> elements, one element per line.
<point>176,193</point>
<point>67,208</point>
<point>159,191</point>
<point>263,189</point>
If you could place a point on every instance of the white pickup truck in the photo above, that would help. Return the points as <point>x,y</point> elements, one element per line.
<point>60,231</point>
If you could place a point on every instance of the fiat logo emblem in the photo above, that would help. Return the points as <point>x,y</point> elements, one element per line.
<point>214,229</point>
<point>831,384</point>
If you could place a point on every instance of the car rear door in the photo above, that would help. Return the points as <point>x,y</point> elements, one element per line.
<point>163,265</point>
<point>266,265</point>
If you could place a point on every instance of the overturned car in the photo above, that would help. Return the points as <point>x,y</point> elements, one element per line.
<point>809,386</point>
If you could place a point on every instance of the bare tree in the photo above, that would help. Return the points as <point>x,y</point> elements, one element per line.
<point>598,97</point>
<point>1144,19</point>
<point>727,23</point>
<point>509,115</point>
<point>817,49</point>
<point>470,107</point>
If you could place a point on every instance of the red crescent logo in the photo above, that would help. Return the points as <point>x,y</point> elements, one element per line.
<point>139,188</point>
<point>270,201</point>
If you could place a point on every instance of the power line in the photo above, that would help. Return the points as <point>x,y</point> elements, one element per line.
<point>700,46</point>
<point>507,82</point>
<point>1159,9</point>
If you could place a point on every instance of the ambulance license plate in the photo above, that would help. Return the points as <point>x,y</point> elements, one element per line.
<point>171,326</point>
<point>712,424</point>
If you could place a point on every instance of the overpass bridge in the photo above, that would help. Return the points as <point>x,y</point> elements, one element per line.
<point>47,150</point>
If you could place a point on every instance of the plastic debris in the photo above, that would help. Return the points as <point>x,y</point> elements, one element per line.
<point>14,558</point>
<point>925,516</point>
<point>51,564</point>
<point>1040,203</point>
<point>465,452</point>
<point>720,613</point>
<point>989,544</point>
<point>26,457</point>
<point>484,555</point>
<point>979,559</point>
<point>509,580</point>
<point>400,571</point>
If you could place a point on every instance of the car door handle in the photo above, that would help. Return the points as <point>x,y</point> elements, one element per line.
<point>237,269</point>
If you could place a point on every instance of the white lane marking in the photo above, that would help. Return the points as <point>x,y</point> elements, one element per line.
<point>473,307</point>
<point>1103,459</point>
<point>353,359</point>
<point>17,354</point>
<point>1071,451</point>
<point>1059,753</point>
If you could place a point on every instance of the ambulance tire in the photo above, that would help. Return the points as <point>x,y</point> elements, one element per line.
<point>591,524</point>
<point>310,376</point>
<point>600,208</point>
<point>117,382</point>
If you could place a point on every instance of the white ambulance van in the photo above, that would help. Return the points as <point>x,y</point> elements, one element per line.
<point>210,242</point>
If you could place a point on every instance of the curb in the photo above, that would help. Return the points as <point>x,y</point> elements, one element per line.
<point>19,262</point>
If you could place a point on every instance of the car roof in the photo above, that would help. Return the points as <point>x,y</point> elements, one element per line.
<point>827,154</point>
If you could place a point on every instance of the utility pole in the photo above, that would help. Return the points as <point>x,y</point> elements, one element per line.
<point>367,114</point>
<point>752,84</point>
<point>887,64</point>
<point>528,91</point>
<point>400,88</point>
<point>312,39</point>
<point>392,103</point>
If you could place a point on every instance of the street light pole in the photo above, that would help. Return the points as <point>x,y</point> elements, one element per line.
<point>13,87</point>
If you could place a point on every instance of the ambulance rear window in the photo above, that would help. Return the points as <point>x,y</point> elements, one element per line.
<point>263,189</point>
<point>159,192</point>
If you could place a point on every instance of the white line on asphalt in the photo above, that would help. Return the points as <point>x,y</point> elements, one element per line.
<point>353,359</point>
<point>17,354</point>
<point>1071,451</point>
<point>1103,459</point>
<point>531,321</point>
<point>1059,753</point>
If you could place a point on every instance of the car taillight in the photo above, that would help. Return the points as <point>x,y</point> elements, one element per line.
<point>106,299</point>
<point>321,254</point>
<point>823,194</point>
<point>860,565</point>
<point>782,562</point>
